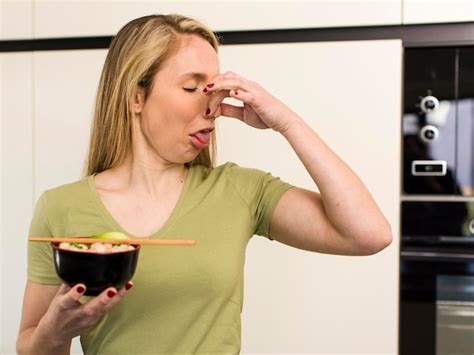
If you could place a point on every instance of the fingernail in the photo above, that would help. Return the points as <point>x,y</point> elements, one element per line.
<point>208,111</point>
<point>210,85</point>
<point>128,286</point>
<point>204,90</point>
<point>80,289</point>
<point>236,92</point>
<point>111,293</point>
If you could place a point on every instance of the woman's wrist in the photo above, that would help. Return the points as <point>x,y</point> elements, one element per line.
<point>292,127</point>
<point>35,341</point>
<point>48,337</point>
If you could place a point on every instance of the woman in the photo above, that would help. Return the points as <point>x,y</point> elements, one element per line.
<point>150,173</point>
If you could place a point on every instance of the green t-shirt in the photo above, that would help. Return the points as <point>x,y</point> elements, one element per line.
<point>184,299</point>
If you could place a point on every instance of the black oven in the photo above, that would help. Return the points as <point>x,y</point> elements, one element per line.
<point>437,207</point>
<point>437,278</point>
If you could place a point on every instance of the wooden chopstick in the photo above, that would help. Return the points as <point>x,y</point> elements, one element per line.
<point>88,240</point>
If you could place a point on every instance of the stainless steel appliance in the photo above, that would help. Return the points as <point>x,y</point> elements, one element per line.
<point>437,222</point>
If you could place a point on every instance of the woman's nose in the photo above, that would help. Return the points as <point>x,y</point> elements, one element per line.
<point>210,110</point>
<point>217,112</point>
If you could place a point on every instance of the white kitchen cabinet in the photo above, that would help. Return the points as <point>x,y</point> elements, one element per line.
<point>350,93</point>
<point>16,114</point>
<point>433,11</point>
<point>65,88</point>
<point>103,18</point>
<point>16,19</point>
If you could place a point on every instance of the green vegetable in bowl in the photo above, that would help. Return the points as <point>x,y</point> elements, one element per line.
<point>79,246</point>
<point>111,235</point>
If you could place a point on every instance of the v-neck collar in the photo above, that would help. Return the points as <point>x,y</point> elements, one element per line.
<point>162,230</point>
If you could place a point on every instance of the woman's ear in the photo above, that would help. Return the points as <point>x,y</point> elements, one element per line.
<point>138,100</point>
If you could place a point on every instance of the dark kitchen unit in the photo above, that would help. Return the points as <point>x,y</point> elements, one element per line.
<point>437,203</point>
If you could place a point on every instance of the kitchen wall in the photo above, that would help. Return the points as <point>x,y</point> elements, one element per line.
<point>349,92</point>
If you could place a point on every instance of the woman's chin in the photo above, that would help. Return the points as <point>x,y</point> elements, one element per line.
<point>189,157</point>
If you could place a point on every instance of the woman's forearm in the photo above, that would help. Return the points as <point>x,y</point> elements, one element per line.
<point>348,206</point>
<point>347,203</point>
<point>34,341</point>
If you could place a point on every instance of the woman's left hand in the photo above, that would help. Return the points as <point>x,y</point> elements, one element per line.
<point>260,110</point>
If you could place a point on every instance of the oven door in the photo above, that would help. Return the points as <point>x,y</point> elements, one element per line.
<point>437,302</point>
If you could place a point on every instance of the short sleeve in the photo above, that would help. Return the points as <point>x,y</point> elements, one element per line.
<point>261,191</point>
<point>40,259</point>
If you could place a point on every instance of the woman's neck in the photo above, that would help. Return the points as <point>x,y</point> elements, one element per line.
<point>145,177</point>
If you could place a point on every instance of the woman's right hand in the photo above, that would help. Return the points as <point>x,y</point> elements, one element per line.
<point>67,318</point>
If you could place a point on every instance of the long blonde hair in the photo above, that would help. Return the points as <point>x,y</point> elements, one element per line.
<point>134,57</point>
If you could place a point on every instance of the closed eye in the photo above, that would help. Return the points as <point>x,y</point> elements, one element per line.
<point>190,89</point>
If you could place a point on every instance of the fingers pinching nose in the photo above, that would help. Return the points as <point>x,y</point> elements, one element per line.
<point>208,86</point>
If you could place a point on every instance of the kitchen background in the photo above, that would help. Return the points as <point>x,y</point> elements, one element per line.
<point>346,82</point>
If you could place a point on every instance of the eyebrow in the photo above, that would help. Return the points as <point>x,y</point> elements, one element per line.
<point>195,75</point>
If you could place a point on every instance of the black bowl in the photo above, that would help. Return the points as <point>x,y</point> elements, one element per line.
<point>96,271</point>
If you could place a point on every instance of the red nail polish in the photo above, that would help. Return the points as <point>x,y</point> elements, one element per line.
<point>128,286</point>
<point>80,289</point>
<point>205,90</point>
<point>210,85</point>
<point>111,293</point>
<point>236,92</point>
<point>208,111</point>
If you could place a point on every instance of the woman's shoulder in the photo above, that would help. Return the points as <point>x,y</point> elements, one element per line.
<point>236,171</point>
<point>68,192</point>
<point>228,171</point>
<point>224,168</point>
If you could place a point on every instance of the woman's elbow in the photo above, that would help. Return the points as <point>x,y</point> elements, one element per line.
<point>382,238</point>
<point>376,239</point>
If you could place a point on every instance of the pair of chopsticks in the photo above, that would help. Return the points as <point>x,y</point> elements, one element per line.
<point>88,240</point>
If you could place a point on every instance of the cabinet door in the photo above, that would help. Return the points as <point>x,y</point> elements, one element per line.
<point>65,88</point>
<point>350,93</point>
<point>92,18</point>
<point>16,114</point>
<point>432,11</point>
<point>16,20</point>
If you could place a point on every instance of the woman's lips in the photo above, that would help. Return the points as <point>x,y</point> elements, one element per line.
<point>201,139</point>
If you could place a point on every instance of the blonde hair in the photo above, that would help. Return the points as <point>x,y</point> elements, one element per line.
<point>134,57</point>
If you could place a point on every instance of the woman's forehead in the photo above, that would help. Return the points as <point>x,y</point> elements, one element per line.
<point>194,59</point>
